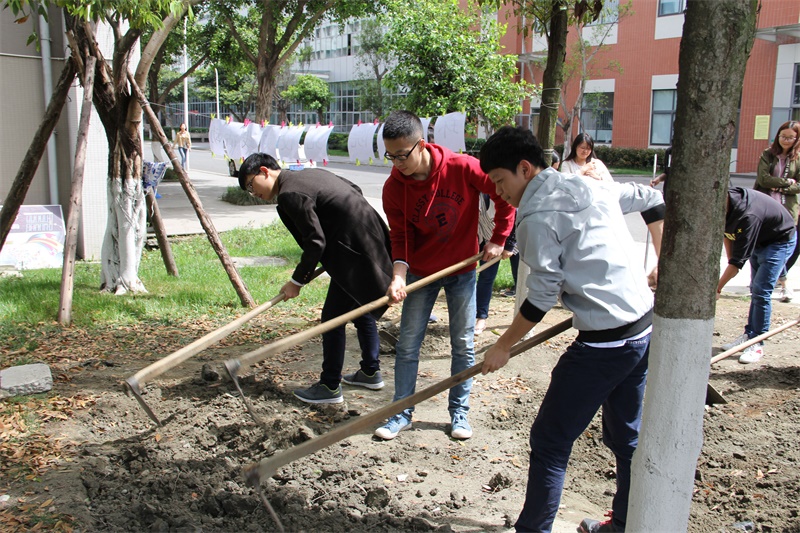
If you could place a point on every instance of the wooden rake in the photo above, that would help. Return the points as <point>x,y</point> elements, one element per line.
<point>135,383</point>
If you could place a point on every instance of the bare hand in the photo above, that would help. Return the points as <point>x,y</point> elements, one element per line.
<point>507,253</point>
<point>290,290</point>
<point>652,279</point>
<point>491,250</point>
<point>495,359</point>
<point>397,290</point>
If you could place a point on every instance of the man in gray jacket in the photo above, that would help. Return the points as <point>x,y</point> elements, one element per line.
<point>572,234</point>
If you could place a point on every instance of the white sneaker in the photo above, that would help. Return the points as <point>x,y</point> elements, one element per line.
<point>480,325</point>
<point>741,339</point>
<point>752,354</point>
<point>788,294</point>
<point>778,293</point>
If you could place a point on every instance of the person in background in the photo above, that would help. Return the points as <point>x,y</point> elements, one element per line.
<point>666,164</point>
<point>758,229</point>
<point>778,176</point>
<point>184,143</point>
<point>583,161</point>
<point>334,225</point>
<point>572,233</point>
<point>483,291</point>
<point>431,202</point>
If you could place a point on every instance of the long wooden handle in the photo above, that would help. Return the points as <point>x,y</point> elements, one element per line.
<point>280,345</point>
<point>266,468</point>
<point>178,357</point>
<point>754,340</point>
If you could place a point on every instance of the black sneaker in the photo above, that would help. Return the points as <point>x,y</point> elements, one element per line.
<point>596,526</point>
<point>319,393</point>
<point>362,379</point>
<point>509,293</point>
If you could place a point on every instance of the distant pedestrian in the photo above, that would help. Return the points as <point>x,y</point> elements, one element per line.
<point>583,161</point>
<point>184,143</point>
<point>778,176</point>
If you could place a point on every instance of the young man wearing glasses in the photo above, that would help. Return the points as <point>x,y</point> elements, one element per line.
<point>334,225</point>
<point>431,201</point>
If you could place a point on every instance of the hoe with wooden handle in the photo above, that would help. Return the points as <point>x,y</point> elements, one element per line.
<point>712,395</point>
<point>135,383</point>
<point>267,468</point>
<point>233,366</point>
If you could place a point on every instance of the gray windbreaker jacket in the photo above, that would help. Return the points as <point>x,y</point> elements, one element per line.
<point>572,233</point>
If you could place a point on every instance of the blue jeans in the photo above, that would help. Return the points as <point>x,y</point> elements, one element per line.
<point>584,380</point>
<point>460,293</point>
<point>766,264</point>
<point>182,151</point>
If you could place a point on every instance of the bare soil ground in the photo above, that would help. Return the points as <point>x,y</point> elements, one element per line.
<point>113,470</point>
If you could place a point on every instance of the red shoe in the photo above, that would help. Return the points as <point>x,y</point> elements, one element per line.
<point>595,526</point>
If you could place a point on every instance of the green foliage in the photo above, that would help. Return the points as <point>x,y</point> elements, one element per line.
<point>448,59</point>
<point>338,141</point>
<point>310,92</point>
<point>202,288</point>
<point>236,196</point>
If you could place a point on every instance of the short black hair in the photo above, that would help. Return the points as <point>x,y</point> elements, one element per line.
<point>252,166</point>
<point>402,125</point>
<point>508,146</point>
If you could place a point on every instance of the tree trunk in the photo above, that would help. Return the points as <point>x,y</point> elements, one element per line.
<point>73,217</point>
<point>712,65</point>
<point>266,89</point>
<point>27,169</point>
<point>126,229</point>
<point>551,80</point>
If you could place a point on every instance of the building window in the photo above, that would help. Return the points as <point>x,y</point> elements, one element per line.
<point>796,95</point>
<point>597,116</point>
<point>663,116</point>
<point>671,7</point>
<point>608,15</point>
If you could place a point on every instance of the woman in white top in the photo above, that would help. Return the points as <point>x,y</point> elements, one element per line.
<point>582,160</point>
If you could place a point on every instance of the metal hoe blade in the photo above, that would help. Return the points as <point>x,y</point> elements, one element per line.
<point>133,387</point>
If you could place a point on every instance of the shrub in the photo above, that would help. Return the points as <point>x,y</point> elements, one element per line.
<point>236,196</point>
<point>338,141</point>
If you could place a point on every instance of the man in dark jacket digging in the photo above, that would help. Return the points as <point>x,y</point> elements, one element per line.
<point>334,225</point>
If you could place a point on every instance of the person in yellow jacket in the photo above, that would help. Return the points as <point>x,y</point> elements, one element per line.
<point>184,143</point>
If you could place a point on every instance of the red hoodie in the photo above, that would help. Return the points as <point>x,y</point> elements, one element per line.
<point>434,223</point>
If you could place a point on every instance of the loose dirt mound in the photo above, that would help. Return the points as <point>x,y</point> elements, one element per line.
<point>124,474</point>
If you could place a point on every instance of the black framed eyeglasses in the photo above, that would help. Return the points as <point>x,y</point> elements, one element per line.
<point>400,157</point>
<point>249,185</point>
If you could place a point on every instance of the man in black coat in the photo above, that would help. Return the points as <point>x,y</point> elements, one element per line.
<point>334,225</point>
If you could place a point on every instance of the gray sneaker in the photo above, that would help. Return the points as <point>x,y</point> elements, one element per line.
<point>362,379</point>
<point>319,393</point>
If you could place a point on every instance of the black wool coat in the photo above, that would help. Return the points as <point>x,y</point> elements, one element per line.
<point>334,225</point>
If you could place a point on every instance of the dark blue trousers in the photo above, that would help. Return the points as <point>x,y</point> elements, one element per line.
<point>337,303</point>
<point>584,380</point>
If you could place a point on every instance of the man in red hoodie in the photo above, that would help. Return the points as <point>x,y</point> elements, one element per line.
<point>431,202</point>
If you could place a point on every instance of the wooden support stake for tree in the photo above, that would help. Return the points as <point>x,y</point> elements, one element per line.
<point>205,221</point>
<point>27,169</point>
<point>154,214</point>
<point>75,197</point>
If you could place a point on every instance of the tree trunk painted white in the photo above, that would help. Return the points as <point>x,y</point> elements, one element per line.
<point>672,431</point>
<point>126,229</point>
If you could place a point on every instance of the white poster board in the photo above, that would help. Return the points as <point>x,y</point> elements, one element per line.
<point>448,131</point>
<point>36,239</point>
<point>426,122</point>
<point>215,137</point>
<point>269,139</point>
<point>250,139</point>
<point>316,143</point>
<point>382,146</point>
<point>232,138</point>
<point>359,143</point>
<point>289,144</point>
